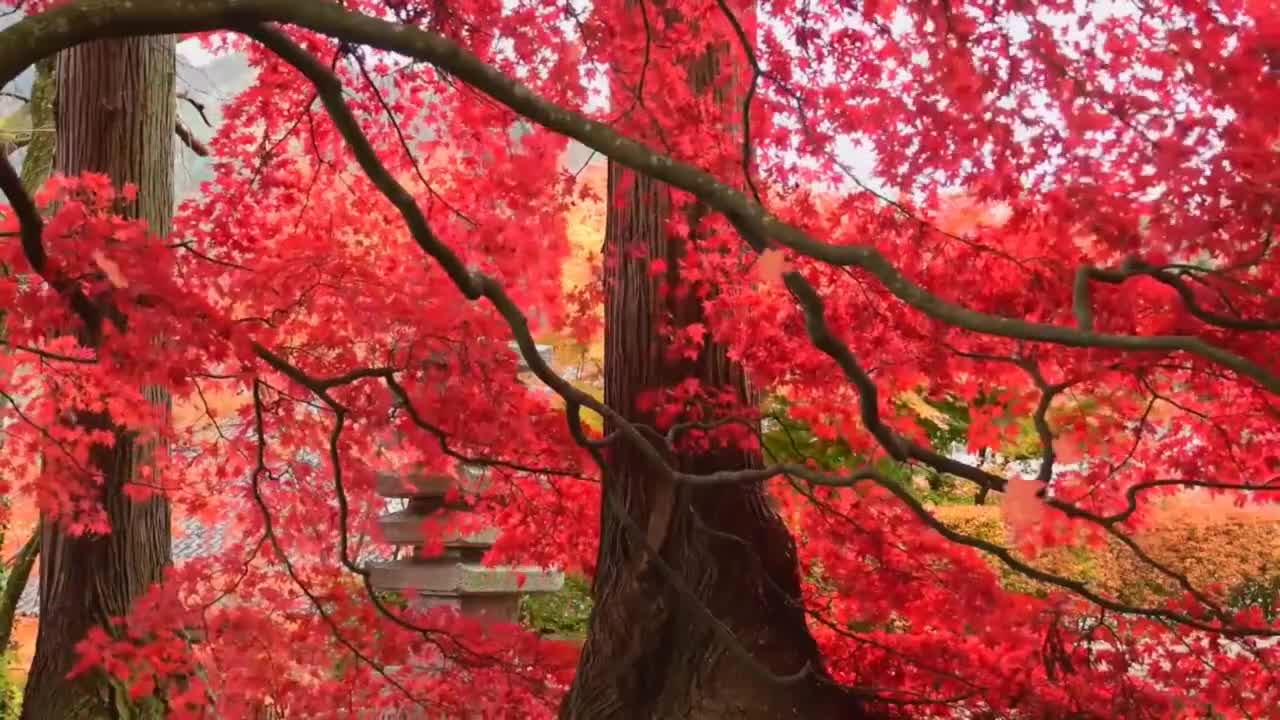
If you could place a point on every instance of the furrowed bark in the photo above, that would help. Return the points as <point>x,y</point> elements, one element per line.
<point>115,115</point>
<point>649,652</point>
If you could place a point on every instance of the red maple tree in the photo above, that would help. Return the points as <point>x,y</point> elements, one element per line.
<point>1065,242</point>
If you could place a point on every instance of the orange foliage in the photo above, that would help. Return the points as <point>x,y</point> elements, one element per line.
<point>1216,545</point>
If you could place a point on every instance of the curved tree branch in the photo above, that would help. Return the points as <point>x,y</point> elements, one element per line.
<point>74,22</point>
<point>79,21</point>
<point>1133,267</point>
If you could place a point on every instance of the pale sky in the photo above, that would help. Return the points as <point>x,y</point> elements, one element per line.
<point>191,51</point>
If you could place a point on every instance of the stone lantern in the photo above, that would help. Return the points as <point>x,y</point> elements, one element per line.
<point>456,577</point>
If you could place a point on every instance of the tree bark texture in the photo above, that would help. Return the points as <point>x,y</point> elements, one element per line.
<point>115,115</point>
<point>38,162</point>
<point>651,651</point>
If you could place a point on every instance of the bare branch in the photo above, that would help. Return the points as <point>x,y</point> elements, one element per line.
<point>190,140</point>
<point>199,107</point>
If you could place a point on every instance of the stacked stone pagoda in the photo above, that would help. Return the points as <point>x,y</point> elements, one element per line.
<point>455,577</point>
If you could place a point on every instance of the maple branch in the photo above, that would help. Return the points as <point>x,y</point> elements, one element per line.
<point>1109,525</point>
<point>255,481</point>
<point>1077,587</point>
<point>1134,267</point>
<point>340,493</point>
<point>1039,417</point>
<point>404,143</point>
<point>46,434</point>
<point>442,438</point>
<point>31,233</point>
<point>756,72</point>
<point>320,387</point>
<point>68,24</point>
<point>473,285</point>
<point>186,245</point>
<point>1133,491</point>
<point>47,355</point>
<point>1048,391</point>
<point>234,584</point>
<point>898,447</point>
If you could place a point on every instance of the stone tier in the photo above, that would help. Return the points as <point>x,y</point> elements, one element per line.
<point>419,484</point>
<point>404,527</point>
<point>449,577</point>
<point>456,578</point>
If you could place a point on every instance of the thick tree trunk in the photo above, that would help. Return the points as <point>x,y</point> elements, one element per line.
<point>115,115</point>
<point>650,653</point>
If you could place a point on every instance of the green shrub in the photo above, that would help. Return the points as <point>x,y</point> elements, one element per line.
<point>562,613</point>
<point>1262,592</point>
<point>10,691</point>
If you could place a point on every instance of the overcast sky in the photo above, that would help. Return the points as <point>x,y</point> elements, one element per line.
<point>191,51</point>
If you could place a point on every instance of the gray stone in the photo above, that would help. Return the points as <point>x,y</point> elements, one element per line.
<point>504,608</point>
<point>404,527</point>
<point>414,484</point>
<point>456,578</point>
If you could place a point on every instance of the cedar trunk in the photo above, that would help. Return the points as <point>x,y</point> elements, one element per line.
<point>650,652</point>
<point>115,115</point>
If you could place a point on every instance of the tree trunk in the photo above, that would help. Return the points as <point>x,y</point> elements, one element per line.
<point>115,115</point>
<point>650,653</point>
<point>38,162</point>
<point>14,583</point>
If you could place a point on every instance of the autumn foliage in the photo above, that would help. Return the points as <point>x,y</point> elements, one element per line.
<point>1050,222</point>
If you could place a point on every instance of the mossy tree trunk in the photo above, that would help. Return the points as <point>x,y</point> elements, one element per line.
<point>36,168</point>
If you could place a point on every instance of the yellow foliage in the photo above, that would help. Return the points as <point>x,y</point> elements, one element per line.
<point>1217,550</point>
<point>986,522</point>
